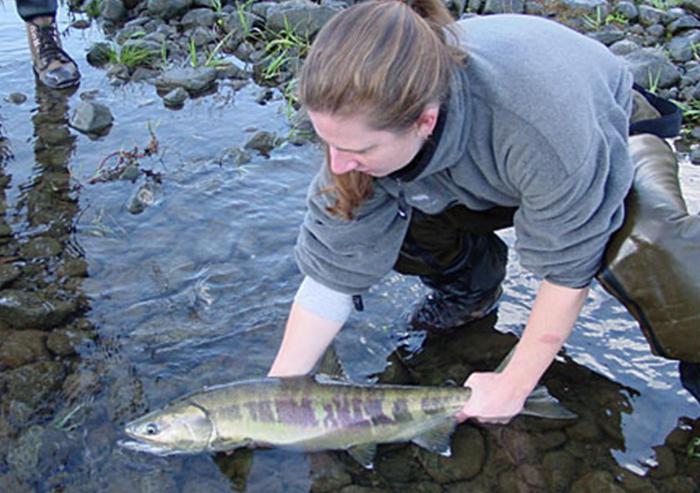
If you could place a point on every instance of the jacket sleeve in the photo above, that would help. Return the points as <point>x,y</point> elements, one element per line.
<point>349,256</point>
<point>569,210</point>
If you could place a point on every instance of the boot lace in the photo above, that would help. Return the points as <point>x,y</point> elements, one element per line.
<point>46,39</point>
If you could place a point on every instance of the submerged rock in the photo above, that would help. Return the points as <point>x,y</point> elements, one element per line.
<point>597,482</point>
<point>175,98</point>
<point>23,347</point>
<point>467,460</point>
<point>41,247</point>
<point>8,273</point>
<point>262,141</point>
<point>24,310</point>
<point>16,98</point>
<point>91,118</point>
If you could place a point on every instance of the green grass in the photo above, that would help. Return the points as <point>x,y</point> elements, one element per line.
<point>132,56</point>
<point>281,47</point>
<point>92,8</point>
<point>597,21</point>
<point>653,81</point>
<point>691,116</point>
<point>694,448</point>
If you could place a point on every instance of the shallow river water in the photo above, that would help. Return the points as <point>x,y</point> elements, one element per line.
<point>194,289</point>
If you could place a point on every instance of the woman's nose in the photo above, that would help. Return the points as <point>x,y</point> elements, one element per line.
<point>341,162</point>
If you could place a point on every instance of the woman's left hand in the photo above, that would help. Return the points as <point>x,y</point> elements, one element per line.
<point>494,399</point>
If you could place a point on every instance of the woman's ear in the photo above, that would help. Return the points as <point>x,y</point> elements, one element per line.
<point>427,120</point>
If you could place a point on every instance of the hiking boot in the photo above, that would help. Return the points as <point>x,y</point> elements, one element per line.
<point>449,306</point>
<point>53,66</point>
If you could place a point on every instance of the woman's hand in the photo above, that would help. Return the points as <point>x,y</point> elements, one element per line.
<point>494,399</point>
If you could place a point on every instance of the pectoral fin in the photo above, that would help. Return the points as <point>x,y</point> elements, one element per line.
<point>437,439</point>
<point>542,404</point>
<point>364,454</point>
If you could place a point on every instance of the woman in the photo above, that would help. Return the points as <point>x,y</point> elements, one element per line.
<point>437,134</point>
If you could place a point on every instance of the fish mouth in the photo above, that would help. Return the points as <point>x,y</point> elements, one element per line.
<point>148,447</point>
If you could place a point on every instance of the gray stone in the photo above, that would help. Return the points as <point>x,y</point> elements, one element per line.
<point>202,36</point>
<point>231,71</point>
<point>262,141</point>
<point>684,23</point>
<point>167,9</point>
<point>504,7</point>
<point>235,156</point>
<point>63,343</point>
<point>112,10</point>
<point>624,47</point>
<point>100,54</point>
<point>608,35</point>
<point>682,48</point>
<point>16,98</point>
<point>8,273</point>
<point>21,347</point>
<point>144,196</point>
<point>198,18</point>
<point>695,133</point>
<point>650,15</point>
<point>692,6</point>
<point>144,74</point>
<point>90,117</point>
<point>193,80</point>
<point>695,156</point>
<point>652,69</point>
<point>304,17</point>
<point>118,72</point>
<point>260,8</point>
<point>41,247</point>
<point>592,8</point>
<point>596,482</point>
<point>176,97</point>
<point>467,460</point>
<point>628,10</point>
<point>655,31</point>
<point>24,310</point>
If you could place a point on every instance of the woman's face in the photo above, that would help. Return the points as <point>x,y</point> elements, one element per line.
<point>354,146</point>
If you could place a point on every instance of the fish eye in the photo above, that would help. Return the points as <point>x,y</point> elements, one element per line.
<point>152,429</point>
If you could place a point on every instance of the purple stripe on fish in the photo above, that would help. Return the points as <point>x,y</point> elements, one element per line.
<point>293,413</point>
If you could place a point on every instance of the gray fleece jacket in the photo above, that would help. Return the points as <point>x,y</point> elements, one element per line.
<point>537,119</point>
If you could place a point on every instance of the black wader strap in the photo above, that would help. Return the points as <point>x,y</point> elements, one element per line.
<point>667,126</point>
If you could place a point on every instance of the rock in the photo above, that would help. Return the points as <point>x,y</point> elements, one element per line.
<point>608,35</point>
<point>303,16</point>
<point>8,273</point>
<point>328,475</point>
<point>112,10</point>
<point>681,484</point>
<point>41,247</point>
<point>143,196</point>
<point>504,7</point>
<point>633,483</point>
<point>33,384</point>
<point>467,460</point>
<point>63,342</point>
<point>80,24</point>
<point>193,80</point>
<point>596,482</point>
<point>695,156</point>
<point>652,69</point>
<point>665,463</point>
<point>23,456</point>
<point>692,6</point>
<point>21,347</point>
<point>231,71</point>
<point>16,98</point>
<point>24,310</point>
<point>560,470</point>
<point>198,18</point>
<point>100,54</point>
<point>532,476</point>
<point>262,141</point>
<point>167,9</point>
<point>592,8</point>
<point>91,118</point>
<point>518,445</point>
<point>142,74</point>
<point>585,430</point>
<point>175,98</point>
<point>682,48</point>
<point>649,15</point>
<point>683,23</point>
<point>399,466</point>
<point>628,10</point>
<point>235,156</point>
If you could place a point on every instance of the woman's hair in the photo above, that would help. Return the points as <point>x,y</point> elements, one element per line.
<point>385,60</point>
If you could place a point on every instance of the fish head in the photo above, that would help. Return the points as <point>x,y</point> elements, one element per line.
<point>178,428</point>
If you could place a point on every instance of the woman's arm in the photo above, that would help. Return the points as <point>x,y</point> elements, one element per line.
<point>306,337</point>
<point>497,397</point>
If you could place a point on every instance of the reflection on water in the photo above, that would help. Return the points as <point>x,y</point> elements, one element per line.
<point>125,311</point>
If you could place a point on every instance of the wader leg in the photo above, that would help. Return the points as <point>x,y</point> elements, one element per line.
<point>458,256</point>
<point>28,9</point>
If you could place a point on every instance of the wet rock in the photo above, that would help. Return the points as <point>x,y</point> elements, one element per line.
<point>531,476</point>
<point>305,17</point>
<point>24,310</point>
<point>193,80</point>
<point>198,18</point>
<point>175,98</point>
<point>328,475</point>
<point>8,273</point>
<point>80,24</point>
<point>596,482</point>
<point>262,141</point>
<point>519,446</point>
<point>665,463</point>
<point>11,483</point>
<point>23,455</point>
<point>504,7</point>
<point>63,342</point>
<point>23,347</point>
<point>561,468</point>
<point>399,465</point>
<point>551,440</point>
<point>112,10</point>
<point>584,430</point>
<point>681,484</point>
<point>651,67</point>
<point>235,156</point>
<point>41,247</point>
<point>100,54</point>
<point>167,9</point>
<point>91,118</point>
<point>467,460</point>
<point>16,98</point>
<point>142,74</point>
<point>143,196</point>
<point>73,268</point>
<point>33,384</point>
